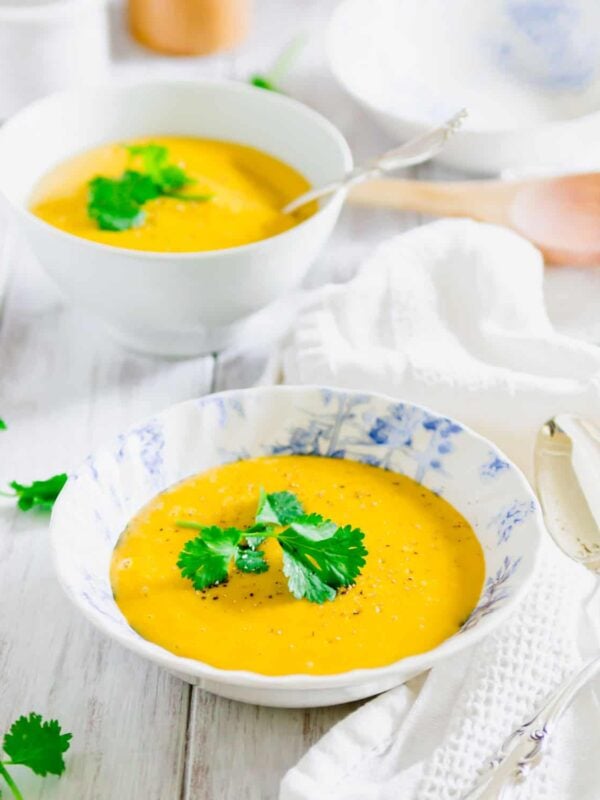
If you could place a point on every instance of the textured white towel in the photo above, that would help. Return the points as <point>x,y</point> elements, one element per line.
<point>452,315</point>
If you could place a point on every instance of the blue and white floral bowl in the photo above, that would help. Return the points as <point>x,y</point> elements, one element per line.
<point>111,485</point>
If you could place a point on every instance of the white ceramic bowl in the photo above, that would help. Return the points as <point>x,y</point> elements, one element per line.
<point>112,485</point>
<point>184,303</point>
<point>528,73</point>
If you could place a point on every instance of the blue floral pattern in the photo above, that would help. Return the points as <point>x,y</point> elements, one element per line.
<point>493,467</point>
<point>224,405</point>
<point>347,428</point>
<point>496,590</point>
<point>510,517</point>
<point>321,434</point>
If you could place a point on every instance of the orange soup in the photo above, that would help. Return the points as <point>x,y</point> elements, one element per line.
<point>421,580</point>
<point>242,191</point>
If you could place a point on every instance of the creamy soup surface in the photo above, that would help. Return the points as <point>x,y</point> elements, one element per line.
<point>248,188</point>
<point>423,574</point>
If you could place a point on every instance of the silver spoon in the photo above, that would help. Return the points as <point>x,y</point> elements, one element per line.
<point>416,151</point>
<point>567,470</point>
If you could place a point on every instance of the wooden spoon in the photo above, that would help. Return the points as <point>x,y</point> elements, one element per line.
<point>559,215</point>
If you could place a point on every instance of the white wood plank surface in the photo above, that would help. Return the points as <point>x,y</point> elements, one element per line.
<point>64,388</point>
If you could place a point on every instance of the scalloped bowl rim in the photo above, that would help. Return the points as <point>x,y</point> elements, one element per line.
<point>201,670</point>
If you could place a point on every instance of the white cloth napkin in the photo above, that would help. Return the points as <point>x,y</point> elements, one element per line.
<point>452,315</point>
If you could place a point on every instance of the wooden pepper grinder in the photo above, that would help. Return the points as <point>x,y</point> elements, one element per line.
<point>189,27</point>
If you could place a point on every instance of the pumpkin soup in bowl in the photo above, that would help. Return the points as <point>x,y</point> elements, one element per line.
<point>296,546</point>
<point>173,302</point>
<point>419,567</point>
<point>171,194</point>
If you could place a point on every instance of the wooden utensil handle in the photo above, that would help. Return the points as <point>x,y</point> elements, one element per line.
<point>477,199</point>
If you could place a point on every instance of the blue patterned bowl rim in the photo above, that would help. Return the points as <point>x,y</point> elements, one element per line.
<point>445,455</point>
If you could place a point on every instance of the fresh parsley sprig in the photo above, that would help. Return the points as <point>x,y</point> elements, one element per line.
<point>206,559</point>
<point>116,204</point>
<point>166,178</point>
<point>278,508</point>
<point>39,494</point>
<point>3,425</point>
<point>34,743</point>
<point>319,557</point>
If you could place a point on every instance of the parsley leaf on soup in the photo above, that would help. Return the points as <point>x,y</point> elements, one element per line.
<point>274,509</point>
<point>3,425</point>
<point>303,582</point>
<point>278,508</point>
<point>205,560</point>
<point>34,743</point>
<point>172,178</point>
<point>154,157</point>
<point>116,203</point>
<point>335,555</point>
<point>168,178</point>
<point>39,494</point>
<point>251,560</point>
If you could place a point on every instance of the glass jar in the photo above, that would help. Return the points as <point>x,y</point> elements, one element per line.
<point>189,27</point>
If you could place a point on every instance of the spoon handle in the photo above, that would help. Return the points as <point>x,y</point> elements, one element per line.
<point>523,749</point>
<point>482,200</point>
<point>415,151</point>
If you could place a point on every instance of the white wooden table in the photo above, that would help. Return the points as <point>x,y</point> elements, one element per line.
<point>139,734</point>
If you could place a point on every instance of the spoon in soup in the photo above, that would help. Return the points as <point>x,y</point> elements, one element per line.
<point>560,215</point>
<point>415,151</point>
<point>567,471</point>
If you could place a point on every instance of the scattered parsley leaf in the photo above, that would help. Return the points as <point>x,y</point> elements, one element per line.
<point>37,744</point>
<point>249,560</point>
<point>262,82</point>
<point>3,425</point>
<point>282,66</point>
<point>278,508</point>
<point>39,494</point>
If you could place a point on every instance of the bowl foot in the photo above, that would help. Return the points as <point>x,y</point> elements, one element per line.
<point>170,344</point>
<point>301,698</point>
